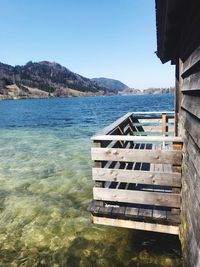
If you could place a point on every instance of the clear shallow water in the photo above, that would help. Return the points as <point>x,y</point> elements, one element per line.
<point>45,186</point>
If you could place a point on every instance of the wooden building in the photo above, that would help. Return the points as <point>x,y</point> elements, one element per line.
<point>178,41</point>
<point>147,165</point>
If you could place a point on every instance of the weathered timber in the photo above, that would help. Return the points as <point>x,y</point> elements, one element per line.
<point>137,225</point>
<point>144,139</point>
<point>191,62</point>
<point>137,197</point>
<point>191,104</point>
<point>140,177</point>
<point>155,128</point>
<point>164,121</point>
<point>140,213</point>
<point>191,125</point>
<point>192,82</point>
<point>124,155</point>
<point>152,112</point>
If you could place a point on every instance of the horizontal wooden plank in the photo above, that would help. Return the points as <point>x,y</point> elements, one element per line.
<point>137,138</point>
<point>192,82</point>
<point>137,197</point>
<point>137,155</point>
<point>152,133</point>
<point>154,128</point>
<point>153,227</point>
<point>138,177</point>
<point>149,123</point>
<point>139,212</point>
<point>115,124</point>
<point>154,120</point>
<point>191,104</point>
<point>152,112</point>
<point>191,61</point>
<point>192,125</point>
<point>192,155</point>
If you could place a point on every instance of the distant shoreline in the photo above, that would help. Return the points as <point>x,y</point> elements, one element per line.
<point>81,96</point>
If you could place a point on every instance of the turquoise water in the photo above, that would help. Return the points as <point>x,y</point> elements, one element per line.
<point>46,186</point>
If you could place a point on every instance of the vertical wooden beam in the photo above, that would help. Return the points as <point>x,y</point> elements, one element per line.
<point>176,168</point>
<point>164,125</point>
<point>178,94</point>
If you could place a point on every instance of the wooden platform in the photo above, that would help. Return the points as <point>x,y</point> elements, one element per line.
<point>137,178</point>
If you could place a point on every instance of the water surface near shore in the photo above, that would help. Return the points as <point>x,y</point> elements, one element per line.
<point>46,186</point>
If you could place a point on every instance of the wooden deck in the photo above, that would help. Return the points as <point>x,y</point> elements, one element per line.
<point>137,173</point>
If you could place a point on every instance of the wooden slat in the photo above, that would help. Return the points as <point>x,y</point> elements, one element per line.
<point>159,214</point>
<point>191,61</point>
<point>191,104</point>
<point>152,112</point>
<point>131,155</point>
<point>152,124</point>
<point>191,125</point>
<point>137,197</point>
<point>131,212</point>
<point>153,227</point>
<point>192,82</point>
<point>145,213</point>
<point>153,133</point>
<point>154,120</point>
<point>147,139</point>
<point>192,154</point>
<point>155,128</point>
<point>140,177</point>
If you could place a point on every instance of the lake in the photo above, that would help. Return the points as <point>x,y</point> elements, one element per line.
<point>46,186</point>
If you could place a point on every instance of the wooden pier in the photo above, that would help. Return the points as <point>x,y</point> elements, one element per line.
<point>137,173</point>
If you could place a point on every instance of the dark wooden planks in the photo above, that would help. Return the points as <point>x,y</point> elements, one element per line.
<point>192,82</point>
<point>191,104</point>
<point>190,125</point>
<point>193,60</point>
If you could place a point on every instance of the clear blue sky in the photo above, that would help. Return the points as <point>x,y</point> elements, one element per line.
<point>95,38</point>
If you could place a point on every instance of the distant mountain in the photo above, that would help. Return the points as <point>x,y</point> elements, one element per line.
<point>44,79</point>
<point>111,84</point>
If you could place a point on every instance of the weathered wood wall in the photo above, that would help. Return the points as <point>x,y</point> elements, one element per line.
<point>188,92</point>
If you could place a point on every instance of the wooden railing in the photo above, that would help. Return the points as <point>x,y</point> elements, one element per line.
<point>137,161</point>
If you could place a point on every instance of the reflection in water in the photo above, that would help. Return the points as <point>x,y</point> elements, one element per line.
<point>45,188</point>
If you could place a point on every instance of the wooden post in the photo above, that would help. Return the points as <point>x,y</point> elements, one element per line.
<point>178,94</point>
<point>164,121</point>
<point>176,168</point>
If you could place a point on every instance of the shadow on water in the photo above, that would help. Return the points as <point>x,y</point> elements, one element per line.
<point>136,249</point>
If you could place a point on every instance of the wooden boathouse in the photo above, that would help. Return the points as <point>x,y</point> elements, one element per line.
<point>147,165</point>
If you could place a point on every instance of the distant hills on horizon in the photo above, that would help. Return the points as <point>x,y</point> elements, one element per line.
<point>49,79</point>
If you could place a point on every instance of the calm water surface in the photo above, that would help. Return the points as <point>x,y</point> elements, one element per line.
<point>45,187</point>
